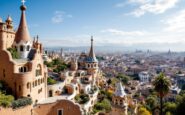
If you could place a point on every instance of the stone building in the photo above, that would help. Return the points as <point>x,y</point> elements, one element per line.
<point>119,100</point>
<point>26,75</point>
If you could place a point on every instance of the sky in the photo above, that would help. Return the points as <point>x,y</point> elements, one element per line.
<point>142,24</point>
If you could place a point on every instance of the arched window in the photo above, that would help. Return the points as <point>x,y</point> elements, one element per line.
<point>28,48</point>
<point>50,93</point>
<point>36,83</point>
<point>38,70</point>
<point>24,69</point>
<point>28,85</point>
<point>116,102</point>
<point>33,84</point>
<point>21,48</point>
<point>21,69</point>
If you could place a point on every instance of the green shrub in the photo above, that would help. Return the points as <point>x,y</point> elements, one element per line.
<point>51,81</point>
<point>14,53</point>
<point>6,100</point>
<point>82,98</point>
<point>102,106</point>
<point>21,102</point>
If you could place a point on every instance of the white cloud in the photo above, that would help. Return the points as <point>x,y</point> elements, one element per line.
<point>59,17</point>
<point>124,33</point>
<point>152,6</point>
<point>176,23</point>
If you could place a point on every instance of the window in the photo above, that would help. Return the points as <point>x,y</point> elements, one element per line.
<point>28,85</point>
<point>50,93</point>
<point>36,83</point>
<point>24,69</point>
<point>21,48</point>
<point>3,72</point>
<point>38,70</point>
<point>28,48</point>
<point>19,88</point>
<point>33,84</point>
<point>20,69</point>
<point>60,112</point>
<point>40,90</point>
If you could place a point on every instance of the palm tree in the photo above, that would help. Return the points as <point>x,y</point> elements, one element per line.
<point>162,87</point>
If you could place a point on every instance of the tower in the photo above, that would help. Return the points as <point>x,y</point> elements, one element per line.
<point>22,40</point>
<point>7,34</point>
<point>9,23</point>
<point>26,77</point>
<point>119,98</point>
<point>61,53</point>
<point>91,63</point>
<point>74,64</point>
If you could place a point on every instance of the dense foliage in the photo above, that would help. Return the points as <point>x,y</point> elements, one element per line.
<point>105,95</point>
<point>14,53</point>
<point>125,79</point>
<point>57,65</point>
<point>143,111</point>
<point>4,88</point>
<point>21,102</point>
<point>6,97</point>
<point>51,81</point>
<point>103,105</point>
<point>6,100</point>
<point>82,98</point>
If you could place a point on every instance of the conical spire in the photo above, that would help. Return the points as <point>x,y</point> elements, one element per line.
<point>91,53</point>
<point>9,19</point>
<point>119,90</point>
<point>22,32</point>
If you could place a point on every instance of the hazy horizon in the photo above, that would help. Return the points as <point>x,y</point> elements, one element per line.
<point>135,24</point>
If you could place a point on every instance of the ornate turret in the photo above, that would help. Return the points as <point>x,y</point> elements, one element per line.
<point>74,64</point>
<point>92,57</point>
<point>22,40</point>
<point>119,99</point>
<point>91,63</point>
<point>120,92</point>
<point>9,22</point>
<point>22,33</point>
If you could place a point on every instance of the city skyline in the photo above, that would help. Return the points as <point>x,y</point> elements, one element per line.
<point>129,23</point>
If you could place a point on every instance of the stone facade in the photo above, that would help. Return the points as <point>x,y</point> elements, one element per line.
<point>64,106</point>
<point>27,75</point>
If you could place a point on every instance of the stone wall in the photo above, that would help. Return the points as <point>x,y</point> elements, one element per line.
<point>21,111</point>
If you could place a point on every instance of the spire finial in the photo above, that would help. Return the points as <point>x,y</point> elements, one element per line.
<point>23,7</point>
<point>23,1</point>
<point>37,38</point>
<point>91,38</point>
